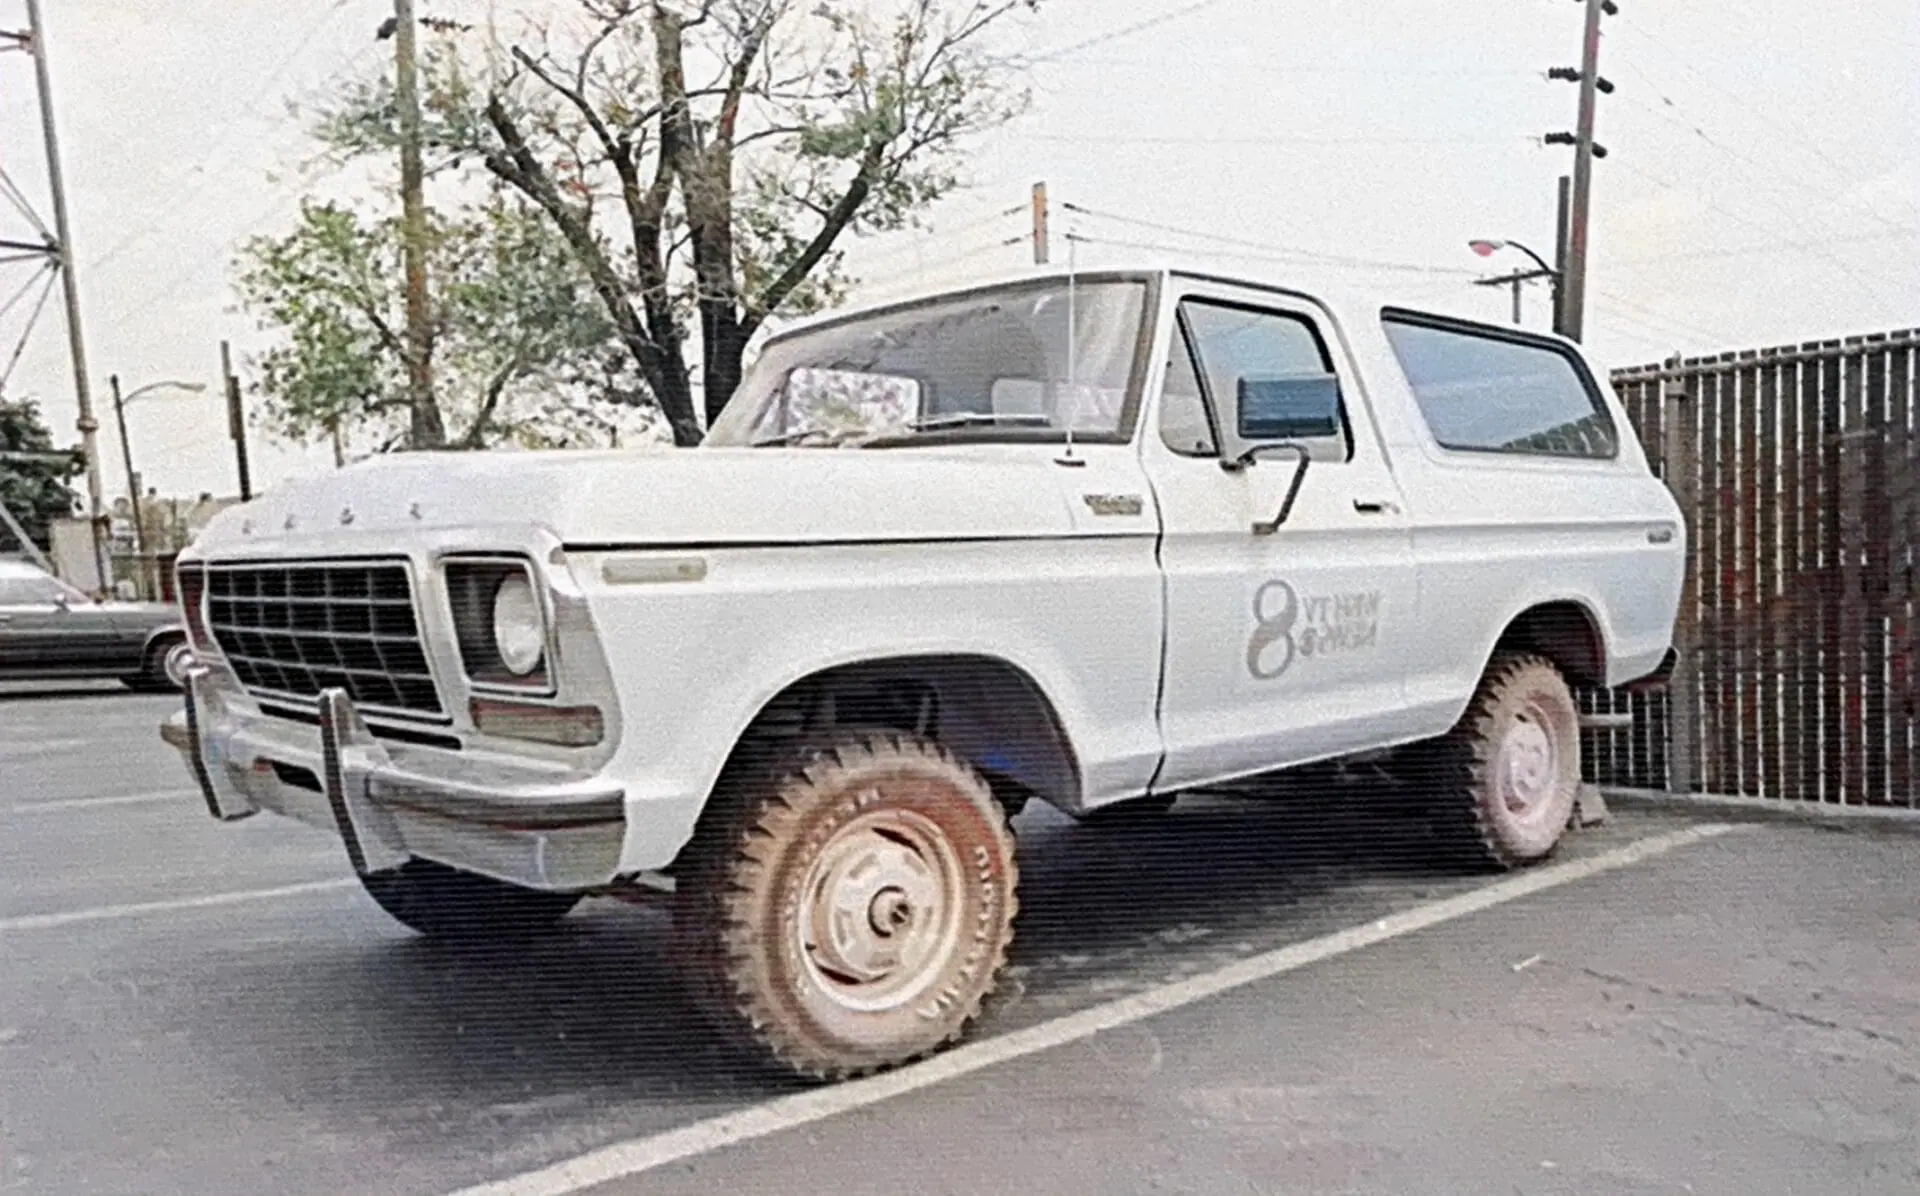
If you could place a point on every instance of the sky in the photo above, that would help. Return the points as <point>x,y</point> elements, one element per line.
<point>1762,184</point>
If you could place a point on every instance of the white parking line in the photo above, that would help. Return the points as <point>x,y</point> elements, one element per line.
<point>104,913</point>
<point>13,751</point>
<point>88,803</point>
<point>626,1159</point>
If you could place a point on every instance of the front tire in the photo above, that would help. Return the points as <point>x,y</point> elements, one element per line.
<point>1507,778</point>
<point>432,899</point>
<point>849,910</point>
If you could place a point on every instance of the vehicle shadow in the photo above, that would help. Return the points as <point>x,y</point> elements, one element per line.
<point>595,1015</point>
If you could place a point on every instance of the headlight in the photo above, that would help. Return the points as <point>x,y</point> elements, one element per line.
<point>519,632</point>
<point>499,623</point>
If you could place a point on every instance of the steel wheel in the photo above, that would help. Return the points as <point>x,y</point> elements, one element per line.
<point>882,908</point>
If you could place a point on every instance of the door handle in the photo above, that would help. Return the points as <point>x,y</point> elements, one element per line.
<point>1374,507</point>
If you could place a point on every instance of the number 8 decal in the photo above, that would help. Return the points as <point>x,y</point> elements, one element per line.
<point>1276,608</point>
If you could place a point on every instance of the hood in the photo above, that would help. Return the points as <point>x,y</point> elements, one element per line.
<point>669,497</point>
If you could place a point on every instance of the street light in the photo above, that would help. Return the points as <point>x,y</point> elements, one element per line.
<point>120,405</point>
<point>1487,248</point>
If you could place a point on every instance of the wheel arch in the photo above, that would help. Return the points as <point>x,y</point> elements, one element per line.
<point>166,631</point>
<point>985,708</point>
<point>1565,631</point>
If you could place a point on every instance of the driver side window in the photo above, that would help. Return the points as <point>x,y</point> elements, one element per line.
<point>1219,344</point>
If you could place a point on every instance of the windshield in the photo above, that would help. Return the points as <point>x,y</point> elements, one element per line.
<point>35,589</point>
<point>999,365</point>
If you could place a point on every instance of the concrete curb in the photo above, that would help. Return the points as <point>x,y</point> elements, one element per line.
<point>1768,809</point>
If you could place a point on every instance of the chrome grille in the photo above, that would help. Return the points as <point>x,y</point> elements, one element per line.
<point>295,629</point>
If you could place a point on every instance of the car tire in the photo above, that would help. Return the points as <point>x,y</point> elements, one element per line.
<point>850,908</point>
<point>440,902</point>
<point>1506,780</point>
<point>164,668</point>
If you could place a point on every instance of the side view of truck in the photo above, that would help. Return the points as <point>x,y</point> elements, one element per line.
<point>1095,539</point>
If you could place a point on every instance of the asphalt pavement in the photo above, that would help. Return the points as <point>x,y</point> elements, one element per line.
<point>194,1008</point>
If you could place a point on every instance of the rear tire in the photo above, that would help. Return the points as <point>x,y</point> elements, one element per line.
<point>1506,780</point>
<point>445,903</point>
<point>849,909</point>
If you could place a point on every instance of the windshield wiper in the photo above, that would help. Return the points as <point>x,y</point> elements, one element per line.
<point>860,438</point>
<point>831,439</point>
<point>965,419</point>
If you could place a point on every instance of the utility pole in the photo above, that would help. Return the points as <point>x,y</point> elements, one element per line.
<point>424,426</point>
<point>1517,279</point>
<point>133,482</point>
<point>1039,224</point>
<point>1574,294</point>
<point>236,421</point>
<point>1563,220</point>
<point>63,258</point>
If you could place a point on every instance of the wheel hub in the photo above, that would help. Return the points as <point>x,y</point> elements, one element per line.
<point>1528,766</point>
<point>881,910</point>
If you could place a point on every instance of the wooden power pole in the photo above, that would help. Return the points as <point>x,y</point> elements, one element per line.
<point>1573,297</point>
<point>1039,224</point>
<point>425,429</point>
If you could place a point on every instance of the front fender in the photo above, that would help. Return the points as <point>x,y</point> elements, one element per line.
<point>696,661</point>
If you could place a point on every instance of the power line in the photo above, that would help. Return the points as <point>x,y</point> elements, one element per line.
<point>178,203</point>
<point>1816,249</point>
<point>1315,68</point>
<point>1665,319</point>
<point>1748,105</point>
<point>1284,253</point>
<point>1893,234</point>
<point>1102,39</point>
<point>1187,139</point>
<point>1669,111</point>
<point>919,243</point>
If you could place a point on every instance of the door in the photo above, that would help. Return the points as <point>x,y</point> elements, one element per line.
<point>45,627</point>
<point>1283,647</point>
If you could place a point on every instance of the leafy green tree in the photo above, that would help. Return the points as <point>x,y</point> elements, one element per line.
<point>702,160</point>
<point>37,492</point>
<point>522,351</point>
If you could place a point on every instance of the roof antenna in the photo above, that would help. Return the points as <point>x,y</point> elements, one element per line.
<point>1073,348</point>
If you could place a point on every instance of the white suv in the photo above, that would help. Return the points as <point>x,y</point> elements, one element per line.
<point>1094,539</point>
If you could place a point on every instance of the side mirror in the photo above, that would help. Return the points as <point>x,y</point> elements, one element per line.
<point>1273,415</point>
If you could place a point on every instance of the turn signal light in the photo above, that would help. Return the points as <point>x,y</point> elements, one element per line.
<point>562,726</point>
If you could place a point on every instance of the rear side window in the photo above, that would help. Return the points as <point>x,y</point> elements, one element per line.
<point>1486,393</point>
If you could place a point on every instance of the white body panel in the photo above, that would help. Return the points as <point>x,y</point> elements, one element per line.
<point>1123,580</point>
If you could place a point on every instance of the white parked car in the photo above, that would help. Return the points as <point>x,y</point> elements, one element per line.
<point>1095,540</point>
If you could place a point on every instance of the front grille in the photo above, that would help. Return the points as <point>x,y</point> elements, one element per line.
<point>295,629</point>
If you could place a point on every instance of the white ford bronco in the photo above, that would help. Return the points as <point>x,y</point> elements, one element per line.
<point>1096,538</point>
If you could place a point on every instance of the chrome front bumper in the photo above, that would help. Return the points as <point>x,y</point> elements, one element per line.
<point>530,824</point>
